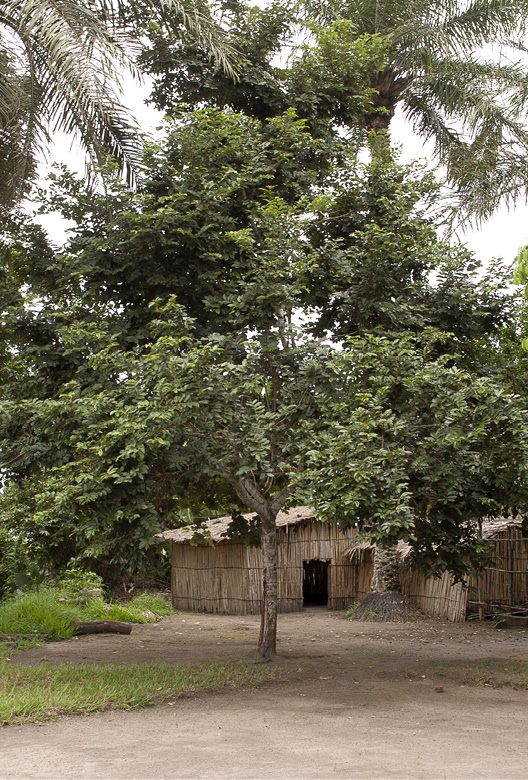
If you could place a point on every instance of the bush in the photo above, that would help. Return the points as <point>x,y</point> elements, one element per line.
<point>51,609</point>
<point>75,582</point>
<point>13,560</point>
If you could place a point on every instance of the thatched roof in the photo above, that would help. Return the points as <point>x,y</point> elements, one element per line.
<point>490,530</point>
<point>493,528</point>
<point>217,526</point>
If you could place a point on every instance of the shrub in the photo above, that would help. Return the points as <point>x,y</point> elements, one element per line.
<point>75,582</point>
<point>13,560</point>
<point>51,609</point>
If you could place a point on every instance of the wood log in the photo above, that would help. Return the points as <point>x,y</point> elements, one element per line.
<point>101,627</point>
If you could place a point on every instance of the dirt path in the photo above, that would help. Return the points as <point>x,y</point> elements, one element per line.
<point>361,702</point>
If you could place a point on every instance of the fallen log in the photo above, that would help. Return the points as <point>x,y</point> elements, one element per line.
<point>101,627</point>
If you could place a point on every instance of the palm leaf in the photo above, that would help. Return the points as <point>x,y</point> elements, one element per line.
<point>73,55</point>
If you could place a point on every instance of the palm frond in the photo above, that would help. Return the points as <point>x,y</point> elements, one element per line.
<point>486,21</point>
<point>486,166</point>
<point>208,33</point>
<point>74,54</point>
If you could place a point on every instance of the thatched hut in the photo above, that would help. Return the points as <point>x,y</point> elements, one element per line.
<point>227,577</point>
<point>503,588</point>
<point>323,563</point>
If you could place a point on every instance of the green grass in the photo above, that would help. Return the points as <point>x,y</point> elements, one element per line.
<point>50,610</point>
<point>499,674</point>
<point>34,694</point>
<point>38,612</point>
<point>133,611</point>
<point>489,673</point>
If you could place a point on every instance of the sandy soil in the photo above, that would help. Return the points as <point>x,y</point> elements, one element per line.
<point>360,700</point>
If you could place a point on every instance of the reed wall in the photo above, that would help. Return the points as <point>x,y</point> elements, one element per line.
<point>228,577</point>
<point>506,586</point>
<point>434,596</point>
<point>437,596</point>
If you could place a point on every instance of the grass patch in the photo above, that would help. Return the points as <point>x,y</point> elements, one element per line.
<point>38,612</point>
<point>489,674</point>
<point>499,674</point>
<point>141,609</point>
<point>50,610</point>
<point>34,694</point>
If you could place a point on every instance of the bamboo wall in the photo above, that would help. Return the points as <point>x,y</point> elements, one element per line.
<point>436,596</point>
<point>506,586</point>
<point>228,578</point>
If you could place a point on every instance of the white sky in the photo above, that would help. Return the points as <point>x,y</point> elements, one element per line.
<point>501,236</point>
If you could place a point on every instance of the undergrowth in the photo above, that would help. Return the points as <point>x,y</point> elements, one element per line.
<point>51,609</point>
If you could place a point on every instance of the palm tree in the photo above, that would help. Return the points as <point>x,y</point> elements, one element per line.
<point>60,67</point>
<point>472,106</point>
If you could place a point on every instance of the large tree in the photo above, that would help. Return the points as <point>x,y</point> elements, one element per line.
<point>437,67</point>
<point>195,340</point>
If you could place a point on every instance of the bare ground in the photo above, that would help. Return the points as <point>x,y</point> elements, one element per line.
<point>360,700</point>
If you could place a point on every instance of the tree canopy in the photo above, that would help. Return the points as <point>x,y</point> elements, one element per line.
<point>265,321</point>
<point>258,326</point>
<point>439,63</point>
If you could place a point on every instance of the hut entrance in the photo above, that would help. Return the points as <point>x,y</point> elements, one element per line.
<point>315,583</point>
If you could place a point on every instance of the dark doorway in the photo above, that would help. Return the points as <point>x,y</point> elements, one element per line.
<point>315,583</point>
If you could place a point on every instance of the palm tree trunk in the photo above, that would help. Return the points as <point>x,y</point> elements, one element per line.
<point>387,91</point>
<point>385,574</point>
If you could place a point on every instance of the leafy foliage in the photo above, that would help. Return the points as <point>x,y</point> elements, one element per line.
<point>258,324</point>
<point>430,449</point>
<point>432,62</point>
<point>13,560</point>
<point>325,80</point>
<point>437,68</point>
<point>248,530</point>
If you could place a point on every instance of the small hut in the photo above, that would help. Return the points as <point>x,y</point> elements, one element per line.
<point>325,564</point>
<point>503,588</point>
<point>226,576</point>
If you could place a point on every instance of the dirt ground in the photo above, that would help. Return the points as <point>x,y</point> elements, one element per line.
<point>360,700</point>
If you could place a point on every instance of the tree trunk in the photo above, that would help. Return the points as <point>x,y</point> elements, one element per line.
<point>252,497</point>
<point>388,88</point>
<point>267,644</point>
<point>386,602</point>
<point>385,574</point>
